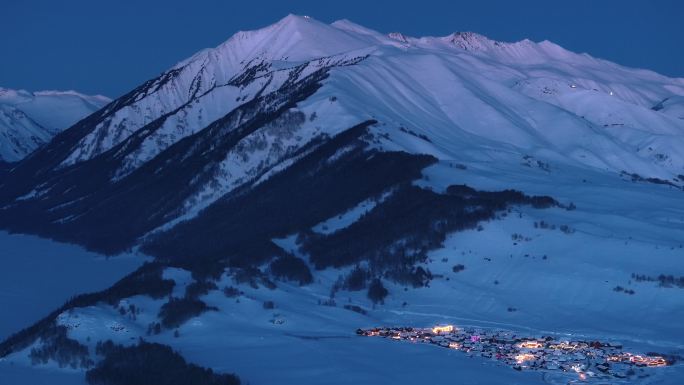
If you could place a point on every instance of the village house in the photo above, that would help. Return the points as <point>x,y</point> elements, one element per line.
<point>586,358</point>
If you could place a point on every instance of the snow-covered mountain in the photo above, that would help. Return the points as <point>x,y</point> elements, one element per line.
<point>514,185</point>
<point>459,97</point>
<point>30,119</point>
<point>463,84</point>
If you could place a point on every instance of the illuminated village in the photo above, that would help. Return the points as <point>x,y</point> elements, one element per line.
<point>589,359</point>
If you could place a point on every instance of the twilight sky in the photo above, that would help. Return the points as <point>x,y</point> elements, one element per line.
<point>109,47</point>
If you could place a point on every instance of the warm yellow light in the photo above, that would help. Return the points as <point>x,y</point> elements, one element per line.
<point>637,359</point>
<point>656,361</point>
<point>443,329</point>
<point>566,346</point>
<point>531,345</point>
<point>653,361</point>
<point>520,358</point>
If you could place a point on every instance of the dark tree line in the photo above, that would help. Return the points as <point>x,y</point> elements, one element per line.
<point>399,231</point>
<point>57,346</point>
<point>376,291</point>
<point>252,276</point>
<point>662,279</point>
<point>291,268</point>
<point>199,288</point>
<point>150,364</point>
<point>146,280</point>
<point>178,310</point>
<point>414,276</point>
<point>356,279</point>
<point>242,224</point>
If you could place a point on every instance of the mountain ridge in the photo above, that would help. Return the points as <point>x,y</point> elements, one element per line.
<point>478,102</point>
<point>28,120</point>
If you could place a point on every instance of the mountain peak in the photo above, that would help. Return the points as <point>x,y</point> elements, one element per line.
<point>292,18</point>
<point>293,23</point>
<point>470,41</point>
<point>292,38</point>
<point>398,36</point>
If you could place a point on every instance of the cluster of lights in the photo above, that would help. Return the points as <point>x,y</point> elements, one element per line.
<point>567,346</point>
<point>531,345</point>
<point>639,360</point>
<point>443,329</point>
<point>520,358</point>
<point>578,369</point>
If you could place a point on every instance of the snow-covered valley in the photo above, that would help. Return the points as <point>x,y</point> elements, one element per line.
<point>547,282</point>
<point>305,180</point>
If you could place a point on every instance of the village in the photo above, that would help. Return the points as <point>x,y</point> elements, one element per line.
<point>588,359</point>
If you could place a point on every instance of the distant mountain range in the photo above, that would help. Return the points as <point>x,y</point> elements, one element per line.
<point>28,120</point>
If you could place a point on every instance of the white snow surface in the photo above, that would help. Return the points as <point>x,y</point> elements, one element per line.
<point>528,116</point>
<point>559,283</point>
<point>471,97</point>
<point>30,119</point>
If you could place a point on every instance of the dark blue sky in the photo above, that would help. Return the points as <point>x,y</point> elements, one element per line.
<point>109,47</point>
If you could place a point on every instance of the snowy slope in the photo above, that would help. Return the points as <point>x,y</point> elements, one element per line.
<point>462,77</point>
<point>462,96</point>
<point>30,119</point>
<point>206,86</point>
<point>493,101</point>
<point>475,75</point>
<point>302,131</point>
